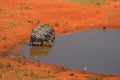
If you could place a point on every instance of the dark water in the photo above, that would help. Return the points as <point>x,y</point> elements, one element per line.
<point>97,51</point>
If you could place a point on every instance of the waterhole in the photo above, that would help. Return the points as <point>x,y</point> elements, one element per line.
<point>93,51</point>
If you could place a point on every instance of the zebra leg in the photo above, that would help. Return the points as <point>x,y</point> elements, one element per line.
<point>41,43</point>
<point>50,43</point>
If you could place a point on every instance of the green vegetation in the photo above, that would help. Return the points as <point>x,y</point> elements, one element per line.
<point>11,24</point>
<point>87,2</point>
<point>1,65</point>
<point>32,74</point>
<point>95,78</point>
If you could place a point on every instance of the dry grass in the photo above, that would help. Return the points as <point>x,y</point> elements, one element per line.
<point>87,2</point>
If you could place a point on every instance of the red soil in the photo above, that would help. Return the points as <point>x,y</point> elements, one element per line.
<point>19,17</point>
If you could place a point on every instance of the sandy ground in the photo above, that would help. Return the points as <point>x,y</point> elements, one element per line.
<point>18,18</point>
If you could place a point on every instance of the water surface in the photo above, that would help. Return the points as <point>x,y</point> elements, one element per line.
<point>98,51</point>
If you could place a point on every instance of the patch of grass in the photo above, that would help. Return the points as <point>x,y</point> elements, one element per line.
<point>0,75</point>
<point>11,14</point>
<point>4,38</point>
<point>49,71</point>
<point>25,74</point>
<point>74,79</point>
<point>1,9</point>
<point>1,65</point>
<point>21,14</point>
<point>47,77</point>
<point>87,2</point>
<point>8,65</point>
<point>26,7</point>
<point>38,22</point>
<point>11,24</point>
<point>111,15</point>
<point>64,68</point>
<point>4,54</point>
<point>19,77</point>
<point>38,65</point>
<point>116,0</point>
<point>56,24</point>
<point>34,75</point>
<point>23,63</point>
<point>95,78</point>
<point>1,29</point>
<point>25,22</point>
<point>56,72</point>
<point>2,12</point>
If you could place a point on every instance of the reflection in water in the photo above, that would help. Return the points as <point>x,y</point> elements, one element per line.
<point>35,52</point>
<point>39,51</point>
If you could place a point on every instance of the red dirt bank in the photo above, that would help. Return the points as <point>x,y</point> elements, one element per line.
<point>18,18</point>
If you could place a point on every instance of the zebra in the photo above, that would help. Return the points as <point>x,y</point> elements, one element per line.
<point>43,35</point>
